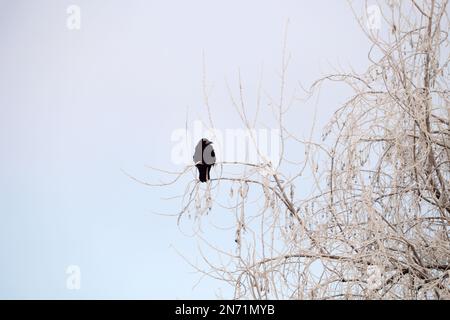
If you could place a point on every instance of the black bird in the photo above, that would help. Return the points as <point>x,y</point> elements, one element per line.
<point>204,158</point>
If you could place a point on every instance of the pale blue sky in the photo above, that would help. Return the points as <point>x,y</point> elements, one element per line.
<point>78,106</point>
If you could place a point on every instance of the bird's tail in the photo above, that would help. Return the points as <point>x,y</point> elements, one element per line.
<point>203,173</point>
<point>208,169</point>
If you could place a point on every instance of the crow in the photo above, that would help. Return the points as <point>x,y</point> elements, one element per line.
<point>204,158</point>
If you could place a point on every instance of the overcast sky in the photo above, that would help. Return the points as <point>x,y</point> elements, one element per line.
<point>79,106</point>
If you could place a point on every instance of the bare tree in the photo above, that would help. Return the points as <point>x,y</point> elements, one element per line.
<point>375,224</point>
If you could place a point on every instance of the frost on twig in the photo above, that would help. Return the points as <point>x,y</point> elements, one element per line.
<point>374,223</point>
